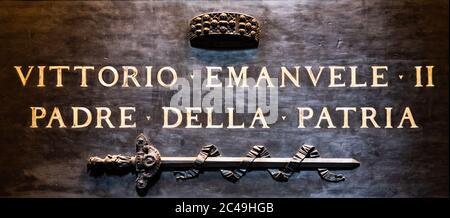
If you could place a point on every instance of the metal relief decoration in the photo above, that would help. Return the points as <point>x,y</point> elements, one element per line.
<point>222,30</point>
<point>148,163</point>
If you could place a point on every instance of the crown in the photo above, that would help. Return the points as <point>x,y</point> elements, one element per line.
<point>224,30</point>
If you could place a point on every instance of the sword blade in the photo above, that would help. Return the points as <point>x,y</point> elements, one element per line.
<point>259,163</point>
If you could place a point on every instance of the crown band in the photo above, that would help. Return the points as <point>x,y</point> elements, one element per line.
<point>224,30</point>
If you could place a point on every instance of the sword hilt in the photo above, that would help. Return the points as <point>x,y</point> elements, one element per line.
<point>145,163</point>
<point>111,164</point>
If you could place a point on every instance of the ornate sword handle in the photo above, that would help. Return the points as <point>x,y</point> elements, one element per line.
<point>145,163</point>
<point>111,163</point>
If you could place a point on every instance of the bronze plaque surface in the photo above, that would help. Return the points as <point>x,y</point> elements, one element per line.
<point>394,162</point>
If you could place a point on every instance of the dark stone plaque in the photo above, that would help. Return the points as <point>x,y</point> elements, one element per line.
<point>394,162</point>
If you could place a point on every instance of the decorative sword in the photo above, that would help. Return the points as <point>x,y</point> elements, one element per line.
<point>148,163</point>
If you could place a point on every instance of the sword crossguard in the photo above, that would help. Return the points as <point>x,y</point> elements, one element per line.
<point>145,163</point>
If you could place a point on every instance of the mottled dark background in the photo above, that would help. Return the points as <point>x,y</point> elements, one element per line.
<point>394,162</point>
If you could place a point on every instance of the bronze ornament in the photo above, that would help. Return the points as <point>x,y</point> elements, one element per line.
<point>148,164</point>
<point>224,30</point>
